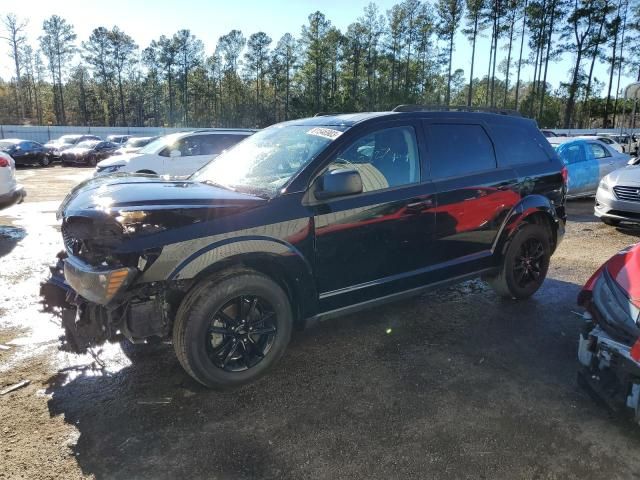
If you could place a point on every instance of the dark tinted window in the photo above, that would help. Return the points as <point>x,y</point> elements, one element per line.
<point>519,145</point>
<point>457,149</point>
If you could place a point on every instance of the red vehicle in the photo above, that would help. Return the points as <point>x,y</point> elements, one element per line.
<point>609,350</point>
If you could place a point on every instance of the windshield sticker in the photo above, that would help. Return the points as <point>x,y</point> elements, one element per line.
<point>329,133</point>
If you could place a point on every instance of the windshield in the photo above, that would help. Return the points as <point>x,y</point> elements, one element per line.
<point>160,143</point>
<point>6,145</point>
<point>88,144</point>
<point>265,161</point>
<point>136,142</point>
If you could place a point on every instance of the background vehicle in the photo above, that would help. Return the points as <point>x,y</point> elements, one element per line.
<point>587,160</point>
<point>606,139</point>
<point>179,154</point>
<point>618,196</point>
<point>25,152</point>
<point>119,139</point>
<point>134,145</point>
<point>10,191</point>
<point>309,219</point>
<point>88,152</point>
<point>55,148</point>
<point>609,347</point>
<point>549,133</point>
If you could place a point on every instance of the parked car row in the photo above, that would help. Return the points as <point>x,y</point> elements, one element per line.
<point>623,143</point>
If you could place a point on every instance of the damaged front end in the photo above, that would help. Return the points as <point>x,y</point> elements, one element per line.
<point>139,314</point>
<point>609,345</point>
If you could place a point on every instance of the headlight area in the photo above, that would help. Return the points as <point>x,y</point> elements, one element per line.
<point>604,184</point>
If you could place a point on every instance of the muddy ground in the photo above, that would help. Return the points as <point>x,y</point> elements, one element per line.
<point>452,384</point>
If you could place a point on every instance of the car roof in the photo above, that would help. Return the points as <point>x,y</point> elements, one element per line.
<point>13,140</point>
<point>352,119</point>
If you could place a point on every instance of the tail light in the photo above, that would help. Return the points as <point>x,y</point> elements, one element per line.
<point>4,162</point>
<point>565,175</point>
<point>635,351</point>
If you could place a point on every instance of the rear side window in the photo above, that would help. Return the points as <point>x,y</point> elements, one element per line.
<point>572,153</point>
<point>519,145</point>
<point>459,149</point>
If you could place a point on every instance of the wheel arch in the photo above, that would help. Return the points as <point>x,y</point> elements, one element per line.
<point>276,259</point>
<point>536,209</point>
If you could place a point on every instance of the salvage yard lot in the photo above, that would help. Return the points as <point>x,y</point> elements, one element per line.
<point>455,383</point>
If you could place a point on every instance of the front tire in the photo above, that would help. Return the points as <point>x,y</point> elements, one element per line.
<point>232,329</point>
<point>91,161</point>
<point>44,161</point>
<point>524,264</point>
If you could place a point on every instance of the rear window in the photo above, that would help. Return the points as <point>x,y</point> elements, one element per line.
<point>459,149</point>
<point>519,145</point>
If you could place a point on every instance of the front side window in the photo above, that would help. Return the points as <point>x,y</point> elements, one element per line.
<point>459,149</point>
<point>571,153</point>
<point>385,159</point>
<point>264,162</point>
<point>598,151</point>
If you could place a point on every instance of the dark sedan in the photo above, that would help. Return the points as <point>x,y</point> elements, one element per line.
<point>88,152</point>
<point>25,152</point>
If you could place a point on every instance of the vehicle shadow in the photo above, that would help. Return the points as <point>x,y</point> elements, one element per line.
<point>9,238</point>
<point>454,382</point>
<point>581,210</point>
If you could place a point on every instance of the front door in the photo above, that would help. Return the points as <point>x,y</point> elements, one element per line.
<point>378,242</point>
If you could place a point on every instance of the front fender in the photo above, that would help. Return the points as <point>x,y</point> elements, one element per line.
<point>521,213</point>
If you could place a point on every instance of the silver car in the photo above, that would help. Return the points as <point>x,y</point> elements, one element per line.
<point>618,196</point>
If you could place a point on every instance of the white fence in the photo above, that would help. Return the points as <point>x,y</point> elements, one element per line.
<point>43,134</point>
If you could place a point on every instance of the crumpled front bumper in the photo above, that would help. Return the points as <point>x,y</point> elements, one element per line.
<point>96,284</point>
<point>608,370</point>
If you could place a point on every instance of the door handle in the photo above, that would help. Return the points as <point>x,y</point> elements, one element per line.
<point>418,206</point>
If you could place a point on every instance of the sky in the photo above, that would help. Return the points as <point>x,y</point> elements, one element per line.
<point>209,19</point>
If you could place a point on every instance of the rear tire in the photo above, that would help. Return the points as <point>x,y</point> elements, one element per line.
<point>524,264</point>
<point>232,329</point>
<point>612,222</point>
<point>91,161</point>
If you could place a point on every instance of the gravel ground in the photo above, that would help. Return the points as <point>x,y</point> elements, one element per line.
<point>455,383</point>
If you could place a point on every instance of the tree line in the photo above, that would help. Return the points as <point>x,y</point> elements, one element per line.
<point>382,59</point>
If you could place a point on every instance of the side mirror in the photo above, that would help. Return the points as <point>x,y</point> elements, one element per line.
<point>175,153</point>
<point>338,183</point>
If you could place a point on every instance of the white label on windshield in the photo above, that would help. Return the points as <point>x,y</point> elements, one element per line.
<point>329,133</point>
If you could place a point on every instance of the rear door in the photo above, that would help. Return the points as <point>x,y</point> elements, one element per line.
<point>473,193</point>
<point>608,159</point>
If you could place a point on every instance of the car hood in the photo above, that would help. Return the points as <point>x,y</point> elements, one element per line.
<point>117,193</point>
<point>624,268</point>
<point>625,176</point>
<point>118,160</point>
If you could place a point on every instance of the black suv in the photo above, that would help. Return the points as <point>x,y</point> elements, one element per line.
<point>304,220</point>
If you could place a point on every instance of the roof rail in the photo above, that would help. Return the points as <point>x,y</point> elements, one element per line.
<point>327,114</point>
<point>455,108</point>
<point>214,129</point>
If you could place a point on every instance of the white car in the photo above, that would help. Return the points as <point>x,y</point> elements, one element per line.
<point>176,155</point>
<point>604,139</point>
<point>10,191</point>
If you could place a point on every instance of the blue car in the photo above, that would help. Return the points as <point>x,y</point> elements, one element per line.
<point>587,161</point>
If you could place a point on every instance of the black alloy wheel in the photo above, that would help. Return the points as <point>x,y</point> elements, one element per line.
<point>528,265</point>
<point>524,264</point>
<point>241,333</point>
<point>232,328</point>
